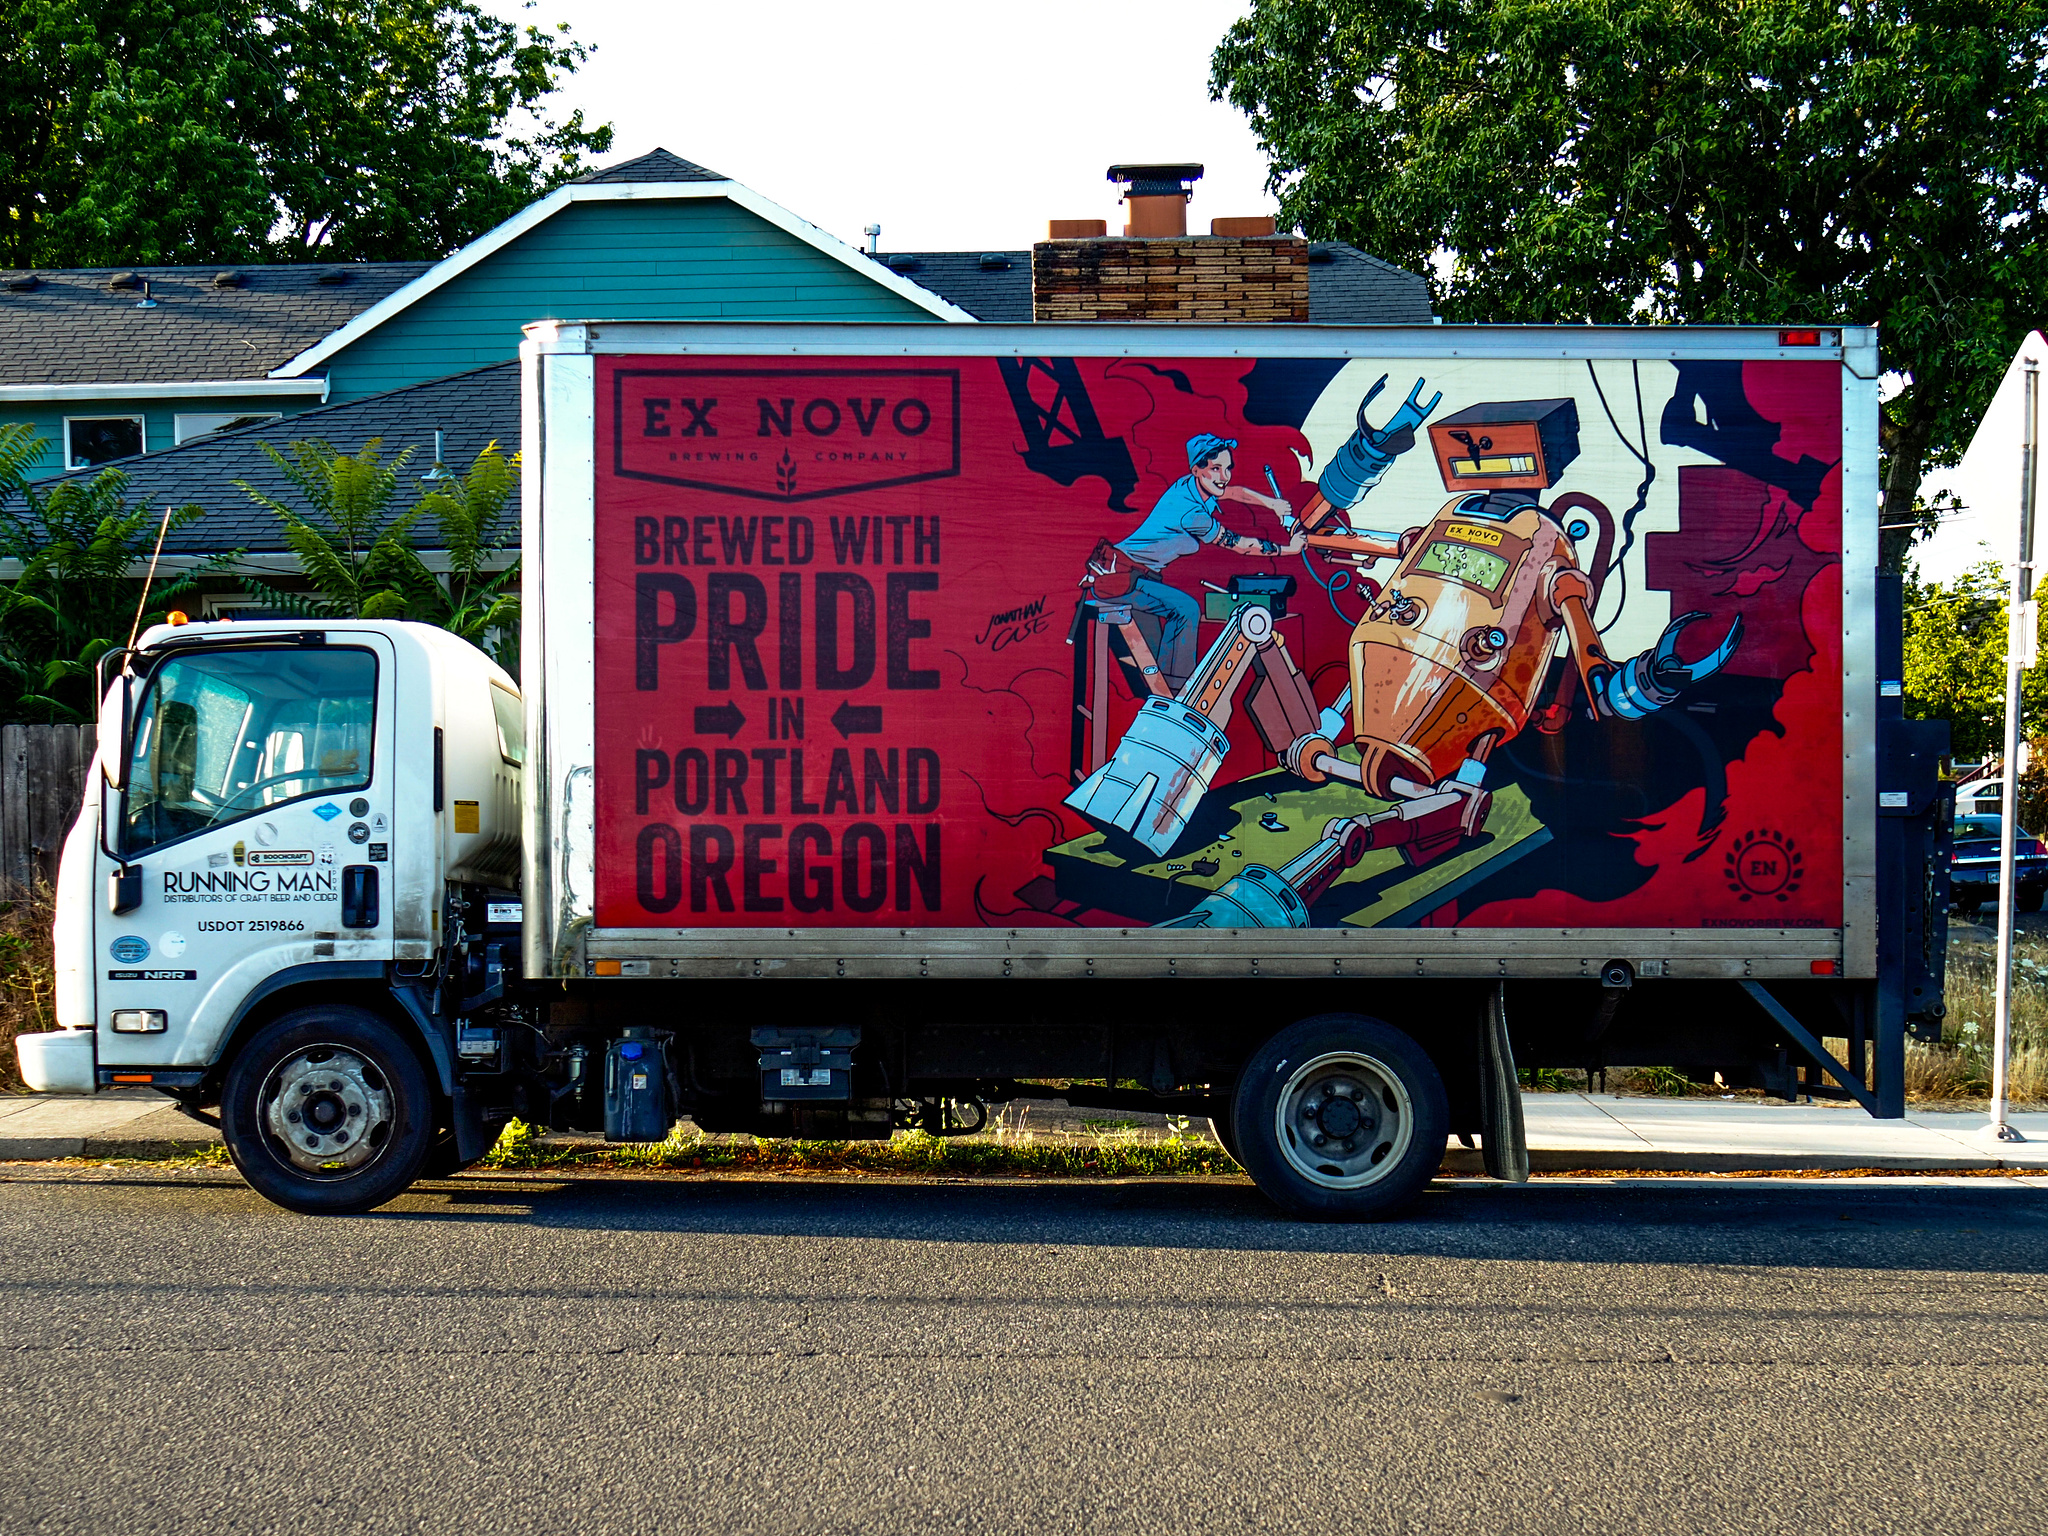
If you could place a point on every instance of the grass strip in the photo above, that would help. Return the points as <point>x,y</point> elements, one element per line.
<point>521,1148</point>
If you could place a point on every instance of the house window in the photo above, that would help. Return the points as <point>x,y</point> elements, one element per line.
<point>90,440</point>
<point>191,424</point>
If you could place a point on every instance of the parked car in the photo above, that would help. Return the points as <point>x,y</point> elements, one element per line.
<point>1973,865</point>
<point>1980,797</point>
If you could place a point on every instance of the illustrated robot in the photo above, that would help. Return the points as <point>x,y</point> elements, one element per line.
<point>1451,657</point>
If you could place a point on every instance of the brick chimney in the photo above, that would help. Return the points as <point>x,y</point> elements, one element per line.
<point>1241,271</point>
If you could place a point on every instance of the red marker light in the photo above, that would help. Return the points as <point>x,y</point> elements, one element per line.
<point>1826,967</point>
<point>1799,338</point>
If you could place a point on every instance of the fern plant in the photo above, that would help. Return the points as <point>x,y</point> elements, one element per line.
<point>354,552</point>
<point>79,545</point>
<point>359,556</point>
<point>472,600</point>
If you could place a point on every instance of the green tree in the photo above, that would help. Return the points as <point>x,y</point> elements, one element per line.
<point>78,544</point>
<point>1955,659</point>
<point>1766,161</point>
<point>158,131</point>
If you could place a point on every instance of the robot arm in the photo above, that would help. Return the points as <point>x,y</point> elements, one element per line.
<point>1645,683</point>
<point>1356,467</point>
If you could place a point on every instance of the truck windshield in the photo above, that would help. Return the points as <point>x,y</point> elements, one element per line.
<point>227,734</point>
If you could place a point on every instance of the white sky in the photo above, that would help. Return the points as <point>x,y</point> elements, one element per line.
<point>952,127</point>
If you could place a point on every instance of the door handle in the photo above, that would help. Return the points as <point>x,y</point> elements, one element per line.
<point>359,906</point>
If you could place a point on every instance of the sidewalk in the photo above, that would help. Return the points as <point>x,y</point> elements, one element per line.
<point>1567,1132</point>
<point>120,1122</point>
<point>1605,1132</point>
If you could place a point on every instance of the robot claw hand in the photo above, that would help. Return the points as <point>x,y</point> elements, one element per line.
<point>1357,467</point>
<point>1644,684</point>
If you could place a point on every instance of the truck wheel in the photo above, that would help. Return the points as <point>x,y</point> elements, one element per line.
<point>328,1111</point>
<point>1340,1117</point>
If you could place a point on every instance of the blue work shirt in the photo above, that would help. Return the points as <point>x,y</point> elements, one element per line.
<point>1182,521</point>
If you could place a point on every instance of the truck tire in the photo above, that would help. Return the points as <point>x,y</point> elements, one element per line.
<point>328,1111</point>
<point>2030,897</point>
<point>1367,1091</point>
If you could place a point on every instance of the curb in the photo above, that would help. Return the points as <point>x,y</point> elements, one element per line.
<point>1463,1161</point>
<point>44,1149</point>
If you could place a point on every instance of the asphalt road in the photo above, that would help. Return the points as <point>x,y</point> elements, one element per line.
<point>638,1355</point>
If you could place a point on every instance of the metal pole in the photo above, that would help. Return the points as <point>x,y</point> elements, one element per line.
<point>2019,644</point>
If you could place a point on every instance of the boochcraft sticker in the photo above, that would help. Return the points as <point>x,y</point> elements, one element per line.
<point>1218,642</point>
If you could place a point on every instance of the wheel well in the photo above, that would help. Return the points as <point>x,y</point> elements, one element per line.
<point>371,996</point>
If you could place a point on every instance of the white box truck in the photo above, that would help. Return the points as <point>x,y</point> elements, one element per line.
<point>1296,726</point>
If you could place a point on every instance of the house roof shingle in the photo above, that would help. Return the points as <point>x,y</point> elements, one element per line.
<point>71,327</point>
<point>994,286</point>
<point>1348,287</point>
<point>1345,285</point>
<point>655,165</point>
<point>470,409</point>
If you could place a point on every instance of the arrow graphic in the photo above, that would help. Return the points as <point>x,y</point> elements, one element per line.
<point>857,719</point>
<point>720,720</point>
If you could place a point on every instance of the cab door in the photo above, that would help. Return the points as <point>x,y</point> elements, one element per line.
<point>258,809</point>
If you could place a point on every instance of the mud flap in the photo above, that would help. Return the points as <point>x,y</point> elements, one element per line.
<point>1504,1139</point>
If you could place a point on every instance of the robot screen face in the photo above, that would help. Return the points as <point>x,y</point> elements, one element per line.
<point>1479,568</point>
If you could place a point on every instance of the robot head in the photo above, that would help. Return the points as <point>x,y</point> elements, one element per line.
<point>1515,445</point>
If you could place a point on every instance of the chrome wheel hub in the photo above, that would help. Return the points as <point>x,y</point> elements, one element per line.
<point>328,1108</point>
<point>1344,1120</point>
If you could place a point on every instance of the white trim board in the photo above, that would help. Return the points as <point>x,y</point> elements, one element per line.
<point>181,389</point>
<point>534,214</point>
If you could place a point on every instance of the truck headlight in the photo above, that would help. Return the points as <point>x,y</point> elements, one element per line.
<point>141,1021</point>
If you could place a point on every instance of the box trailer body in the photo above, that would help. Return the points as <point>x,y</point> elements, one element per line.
<point>1437,699</point>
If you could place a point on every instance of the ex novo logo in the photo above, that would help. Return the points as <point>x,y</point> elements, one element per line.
<point>785,434</point>
<point>1764,864</point>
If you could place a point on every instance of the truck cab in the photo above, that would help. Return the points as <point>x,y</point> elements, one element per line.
<point>287,816</point>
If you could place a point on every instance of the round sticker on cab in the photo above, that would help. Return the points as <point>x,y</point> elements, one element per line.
<point>171,945</point>
<point>129,949</point>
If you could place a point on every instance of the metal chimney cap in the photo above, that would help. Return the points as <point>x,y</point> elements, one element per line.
<point>1156,180</point>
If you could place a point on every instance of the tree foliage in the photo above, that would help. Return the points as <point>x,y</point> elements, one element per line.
<point>358,554</point>
<point>1762,161</point>
<point>77,543</point>
<point>164,131</point>
<point>1955,661</point>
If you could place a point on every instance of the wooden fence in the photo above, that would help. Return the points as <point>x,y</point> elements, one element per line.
<point>43,771</point>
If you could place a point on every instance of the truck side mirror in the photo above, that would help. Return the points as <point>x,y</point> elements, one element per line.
<point>114,724</point>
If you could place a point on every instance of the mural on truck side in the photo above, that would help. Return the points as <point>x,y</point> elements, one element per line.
<point>1102,642</point>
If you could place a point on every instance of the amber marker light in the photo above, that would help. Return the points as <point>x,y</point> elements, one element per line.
<point>176,617</point>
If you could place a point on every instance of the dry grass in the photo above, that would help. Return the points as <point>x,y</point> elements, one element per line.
<point>1118,1155</point>
<point>1960,1066</point>
<point>27,974</point>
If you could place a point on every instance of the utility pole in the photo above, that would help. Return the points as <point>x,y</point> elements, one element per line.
<point>2021,632</point>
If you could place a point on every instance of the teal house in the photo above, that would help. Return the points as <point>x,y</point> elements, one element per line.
<point>656,238</point>
<point>110,364</point>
